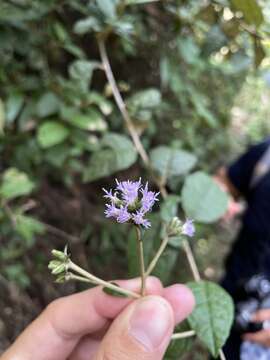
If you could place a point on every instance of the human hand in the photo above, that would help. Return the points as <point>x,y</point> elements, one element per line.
<point>94,325</point>
<point>263,336</point>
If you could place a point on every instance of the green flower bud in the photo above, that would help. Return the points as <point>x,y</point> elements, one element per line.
<point>59,269</point>
<point>59,254</point>
<point>61,278</point>
<point>175,227</point>
<point>53,264</point>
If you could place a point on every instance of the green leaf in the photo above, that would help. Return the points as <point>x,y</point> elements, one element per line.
<point>2,117</point>
<point>145,99</point>
<point>27,227</point>
<point>213,315</point>
<point>251,10</point>
<point>112,292</point>
<point>82,70</point>
<point>117,153</point>
<point>13,106</point>
<point>92,121</point>
<point>15,183</point>
<point>108,7</point>
<point>87,25</point>
<point>202,198</point>
<point>47,105</point>
<point>51,133</point>
<point>169,162</point>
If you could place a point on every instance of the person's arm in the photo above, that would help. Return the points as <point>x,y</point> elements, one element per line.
<point>261,337</point>
<point>94,325</point>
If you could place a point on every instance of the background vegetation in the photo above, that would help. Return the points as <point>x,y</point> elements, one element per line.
<point>195,81</point>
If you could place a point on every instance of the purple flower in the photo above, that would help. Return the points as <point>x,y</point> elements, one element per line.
<point>188,228</point>
<point>111,211</point>
<point>139,219</point>
<point>130,202</point>
<point>123,215</point>
<point>129,190</point>
<point>148,198</point>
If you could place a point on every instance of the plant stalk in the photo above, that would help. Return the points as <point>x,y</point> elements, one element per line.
<point>183,335</point>
<point>97,281</point>
<point>141,259</point>
<point>157,256</point>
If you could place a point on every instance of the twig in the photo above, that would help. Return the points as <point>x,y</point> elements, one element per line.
<point>157,255</point>
<point>120,103</point>
<point>183,335</point>
<point>97,281</point>
<point>141,258</point>
<point>191,260</point>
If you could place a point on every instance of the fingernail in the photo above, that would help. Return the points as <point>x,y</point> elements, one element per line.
<point>151,322</point>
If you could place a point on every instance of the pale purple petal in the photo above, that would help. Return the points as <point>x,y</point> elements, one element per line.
<point>111,211</point>
<point>139,219</point>
<point>129,190</point>
<point>148,198</point>
<point>123,215</point>
<point>188,228</point>
<point>109,195</point>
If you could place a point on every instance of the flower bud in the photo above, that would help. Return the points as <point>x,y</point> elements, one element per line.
<point>53,264</point>
<point>59,269</point>
<point>59,254</point>
<point>174,227</point>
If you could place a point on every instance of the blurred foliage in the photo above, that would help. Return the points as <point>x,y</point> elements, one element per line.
<point>179,66</point>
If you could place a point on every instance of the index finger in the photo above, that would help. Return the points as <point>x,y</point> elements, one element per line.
<point>55,333</point>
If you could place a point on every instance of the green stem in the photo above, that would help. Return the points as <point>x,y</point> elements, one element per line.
<point>183,335</point>
<point>141,259</point>
<point>157,256</point>
<point>97,281</point>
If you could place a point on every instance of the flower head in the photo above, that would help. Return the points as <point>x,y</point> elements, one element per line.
<point>188,228</point>
<point>148,198</point>
<point>130,202</point>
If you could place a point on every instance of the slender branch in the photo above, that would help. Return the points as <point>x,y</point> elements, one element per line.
<point>141,258</point>
<point>183,335</point>
<point>191,260</point>
<point>97,281</point>
<point>157,255</point>
<point>120,103</point>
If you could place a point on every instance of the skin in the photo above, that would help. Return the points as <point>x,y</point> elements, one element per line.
<point>261,337</point>
<point>94,325</point>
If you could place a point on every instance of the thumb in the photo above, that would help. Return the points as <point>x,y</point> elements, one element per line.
<point>142,331</point>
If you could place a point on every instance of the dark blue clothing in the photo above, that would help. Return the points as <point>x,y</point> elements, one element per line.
<point>250,254</point>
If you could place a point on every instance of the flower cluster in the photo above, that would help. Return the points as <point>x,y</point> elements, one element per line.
<point>129,202</point>
<point>176,227</point>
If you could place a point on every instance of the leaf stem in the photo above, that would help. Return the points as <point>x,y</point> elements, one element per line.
<point>221,355</point>
<point>97,281</point>
<point>157,255</point>
<point>141,259</point>
<point>183,335</point>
